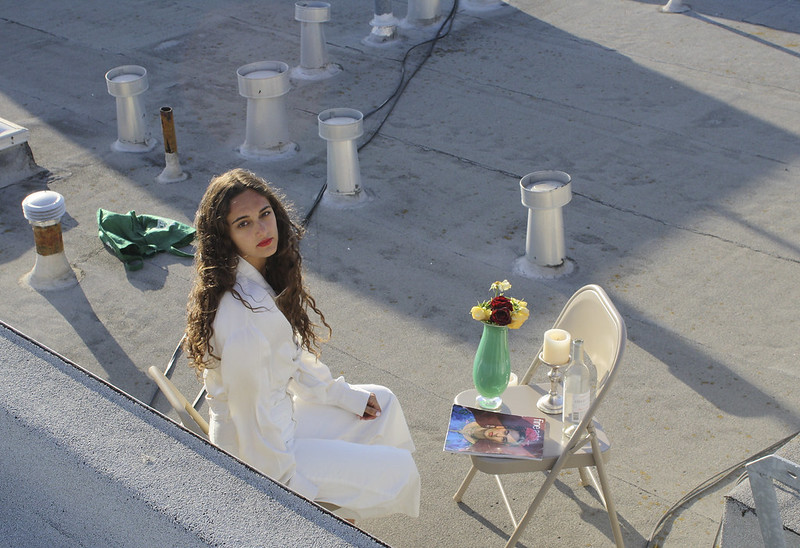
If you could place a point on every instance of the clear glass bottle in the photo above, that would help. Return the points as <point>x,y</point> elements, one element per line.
<point>592,375</point>
<point>578,389</point>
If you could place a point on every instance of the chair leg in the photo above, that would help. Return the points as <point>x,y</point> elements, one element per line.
<point>588,478</point>
<point>505,499</point>
<point>465,484</point>
<point>609,501</point>
<point>548,482</point>
<point>552,475</point>
<point>584,472</point>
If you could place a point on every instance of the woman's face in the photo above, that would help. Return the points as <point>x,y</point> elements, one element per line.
<point>253,228</point>
<point>496,434</point>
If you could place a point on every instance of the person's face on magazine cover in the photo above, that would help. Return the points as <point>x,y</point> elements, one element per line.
<point>501,434</point>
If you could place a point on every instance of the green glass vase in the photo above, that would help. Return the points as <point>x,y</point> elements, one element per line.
<point>492,366</point>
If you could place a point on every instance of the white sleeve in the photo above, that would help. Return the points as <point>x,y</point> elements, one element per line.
<point>221,429</point>
<point>313,382</point>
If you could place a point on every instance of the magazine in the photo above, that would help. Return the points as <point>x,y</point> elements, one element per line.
<point>475,431</point>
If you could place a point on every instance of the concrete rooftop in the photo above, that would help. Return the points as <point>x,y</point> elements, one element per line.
<point>682,136</point>
<point>84,464</point>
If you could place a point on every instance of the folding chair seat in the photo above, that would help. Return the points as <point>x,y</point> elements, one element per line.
<point>589,315</point>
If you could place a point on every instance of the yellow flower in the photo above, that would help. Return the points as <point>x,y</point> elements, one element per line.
<point>501,309</point>
<point>518,318</point>
<point>480,314</point>
<point>501,286</point>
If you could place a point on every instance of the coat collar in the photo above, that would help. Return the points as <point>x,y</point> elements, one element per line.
<point>252,283</point>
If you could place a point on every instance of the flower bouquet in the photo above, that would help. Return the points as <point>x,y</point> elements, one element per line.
<point>501,310</point>
<point>492,366</point>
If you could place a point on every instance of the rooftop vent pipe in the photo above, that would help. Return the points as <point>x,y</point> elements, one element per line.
<point>313,55</point>
<point>51,270</point>
<point>340,127</point>
<point>172,171</point>
<point>265,85</point>
<point>480,5</point>
<point>675,6</point>
<point>422,13</point>
<point>384,25</point>
<point>545,193</point>
<point>127,83</point>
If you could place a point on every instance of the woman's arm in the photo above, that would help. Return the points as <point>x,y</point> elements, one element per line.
<point>313,382</point>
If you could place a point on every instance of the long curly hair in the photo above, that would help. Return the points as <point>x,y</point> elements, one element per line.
<point>216,258</point>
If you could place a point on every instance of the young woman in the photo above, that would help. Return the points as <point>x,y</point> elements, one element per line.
<point>272,403</point>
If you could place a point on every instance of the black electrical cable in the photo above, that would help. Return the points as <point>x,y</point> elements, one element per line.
<point>403,82</point>
<point>398,91</point>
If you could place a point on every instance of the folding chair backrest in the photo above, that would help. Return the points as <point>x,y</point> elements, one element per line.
<point>590,315</point>
<point>188,415</point>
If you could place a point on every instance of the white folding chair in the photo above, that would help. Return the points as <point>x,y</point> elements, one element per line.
<point>187,414</point>
<point>761,473</point>
<point>169,370</point>
<point>589,315</point>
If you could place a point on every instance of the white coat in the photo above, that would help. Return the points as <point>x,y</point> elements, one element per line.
<point>276,407</point>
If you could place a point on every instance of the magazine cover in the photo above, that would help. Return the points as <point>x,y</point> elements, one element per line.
<point>475,431</point>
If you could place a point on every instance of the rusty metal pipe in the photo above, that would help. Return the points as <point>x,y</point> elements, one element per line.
<point>172,172</point>
<point>168,129</point>
<point>48,239</point>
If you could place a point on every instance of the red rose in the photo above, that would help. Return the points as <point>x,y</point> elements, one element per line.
<point>502,303</point>
<point>500,316</point>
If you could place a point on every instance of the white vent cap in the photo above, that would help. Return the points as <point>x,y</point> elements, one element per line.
<point>43,206</point>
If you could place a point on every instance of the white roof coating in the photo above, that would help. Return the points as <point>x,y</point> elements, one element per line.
<point>85,465</point>
<point>681,135</point>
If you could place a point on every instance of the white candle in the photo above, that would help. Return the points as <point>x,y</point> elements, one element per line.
<point>556,346</point>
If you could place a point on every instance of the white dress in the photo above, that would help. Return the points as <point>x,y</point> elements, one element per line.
<point>276,407</point>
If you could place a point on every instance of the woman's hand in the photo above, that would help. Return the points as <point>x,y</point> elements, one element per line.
<point>373,409</point>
